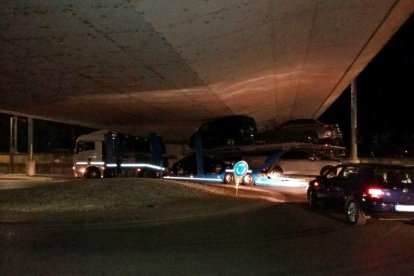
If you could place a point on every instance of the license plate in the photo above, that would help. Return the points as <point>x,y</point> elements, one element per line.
<point>404,208</point>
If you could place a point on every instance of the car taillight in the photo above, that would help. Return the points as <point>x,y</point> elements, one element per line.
<point>375,192</point>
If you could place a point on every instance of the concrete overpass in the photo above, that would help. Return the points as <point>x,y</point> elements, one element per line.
<point>167,66</point>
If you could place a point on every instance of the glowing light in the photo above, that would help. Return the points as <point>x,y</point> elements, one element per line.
<point>404,208</point>
<point>89,163</point>
<point>136,165</point>
<point>280,181</point>
<point>232,171</point>
<point>375,192</point>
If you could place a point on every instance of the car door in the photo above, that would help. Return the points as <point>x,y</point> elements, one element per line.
<point>298,162</point>
<point>309,165</point>
<point>291,162</point>
<point>327,182</point>
<point>340,186</point>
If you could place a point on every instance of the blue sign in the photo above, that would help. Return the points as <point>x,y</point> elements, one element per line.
<point>241,168</point>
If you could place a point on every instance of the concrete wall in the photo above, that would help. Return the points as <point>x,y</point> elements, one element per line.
<point>45,163</point>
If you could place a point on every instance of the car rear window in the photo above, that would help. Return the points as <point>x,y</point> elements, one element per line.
<point>398,177</point>
<point>394,176</point>
<point>387,176</point>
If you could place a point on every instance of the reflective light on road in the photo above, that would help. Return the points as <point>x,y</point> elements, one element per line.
<point>203,179</point>
<point>281,181</point>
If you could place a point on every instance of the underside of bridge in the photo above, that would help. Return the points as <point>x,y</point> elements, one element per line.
<point>166,66</point>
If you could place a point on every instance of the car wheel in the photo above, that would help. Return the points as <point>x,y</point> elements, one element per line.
<point>228,178</point>
<point>312,198</point>
<point>248,180</point>
<point>230,142</point>
<point>276,171</point>
<point>311,137</point>
<point>354,213</point>
<point>325,169</point>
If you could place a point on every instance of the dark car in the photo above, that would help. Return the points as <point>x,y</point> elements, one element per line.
<point>187,166</point>
<point>226,131</point>
<point>306,130</point>
<point>366,191</point>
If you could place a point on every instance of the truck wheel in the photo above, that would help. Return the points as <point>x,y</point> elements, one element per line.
<point>92,173</point>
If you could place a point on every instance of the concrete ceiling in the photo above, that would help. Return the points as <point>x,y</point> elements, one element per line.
<point>166,66</point>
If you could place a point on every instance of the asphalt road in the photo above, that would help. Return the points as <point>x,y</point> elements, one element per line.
<point>215,235</point>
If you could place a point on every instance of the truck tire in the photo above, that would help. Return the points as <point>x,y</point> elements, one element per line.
<point>92,172</point>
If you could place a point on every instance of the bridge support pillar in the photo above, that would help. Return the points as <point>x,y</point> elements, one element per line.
<point>30,163</point>
<point>354,123</point>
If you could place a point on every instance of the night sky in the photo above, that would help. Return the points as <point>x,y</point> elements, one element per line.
<point>385,108</point>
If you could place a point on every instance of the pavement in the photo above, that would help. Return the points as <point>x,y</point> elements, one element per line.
<point>62,198</point>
